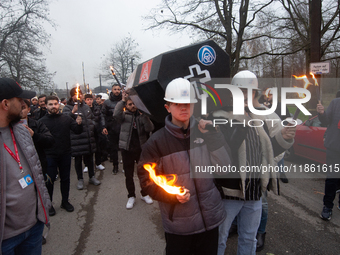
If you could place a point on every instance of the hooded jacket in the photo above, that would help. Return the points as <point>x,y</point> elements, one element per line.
<point>23,138</point>
<point>83,143</point>
<point>178,151</point>
<point>126,119</point>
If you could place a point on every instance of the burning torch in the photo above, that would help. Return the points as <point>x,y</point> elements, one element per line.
<point>163,182</point>
<point>317,87</point>
<point>301,95</point>
<point>114,75</point>
<point>78,98</point>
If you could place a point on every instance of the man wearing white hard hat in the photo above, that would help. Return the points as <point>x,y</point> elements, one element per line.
<point>250,146</point>
<point>191,218</point>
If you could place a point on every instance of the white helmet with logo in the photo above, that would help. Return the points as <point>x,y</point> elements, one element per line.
<point>180,91</point>
<point>245,79</point>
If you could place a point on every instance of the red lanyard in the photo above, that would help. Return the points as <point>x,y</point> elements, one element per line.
<point>16,156</point>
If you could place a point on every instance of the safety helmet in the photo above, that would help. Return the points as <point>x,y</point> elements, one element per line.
<point>180,91</point>
<point>104,96</point>
<point>245,79</point>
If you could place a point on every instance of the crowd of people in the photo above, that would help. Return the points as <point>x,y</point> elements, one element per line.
<point>41,135</point>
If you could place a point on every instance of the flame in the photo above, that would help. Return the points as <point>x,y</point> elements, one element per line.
<point>107,92</point>
<point>77,91</point>
<point>267,92</point>
<point>90,91</point>
<point>307,83</point>
<point>112,71</point>
<point>163,182</point>
<point>315,80</point>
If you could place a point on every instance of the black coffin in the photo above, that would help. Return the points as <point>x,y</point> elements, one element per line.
<point>199,62</point>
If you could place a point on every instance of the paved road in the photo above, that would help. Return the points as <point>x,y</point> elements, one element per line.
<point>100,223</point>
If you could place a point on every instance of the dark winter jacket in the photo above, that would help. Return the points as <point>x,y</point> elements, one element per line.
<point>42,138</point>
<point>60,126</point>
<point>39,113</point>
<point>108,108</point>
<point>170,148</point>
<point>331,117</point>
<point>126,119</point>
<point>83,143</point>
<point>98,120</point>
<point>23,139</point>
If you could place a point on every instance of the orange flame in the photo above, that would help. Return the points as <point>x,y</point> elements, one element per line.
<point>107,92</point>
<point>267,92</point>
<point>315,80</point>
<point>163,182</point>
<point>91,91</point>
<point>112,71</point>
<point>77,91</point>
<point>307,83</point>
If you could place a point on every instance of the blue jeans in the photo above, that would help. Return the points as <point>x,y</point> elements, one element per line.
<point>264,214</point>
<point>28,243</point>
<point>248,220</point>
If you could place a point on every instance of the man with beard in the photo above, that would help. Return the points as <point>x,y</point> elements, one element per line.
<point>59,155</point>
<point>135,130</point>
<point>24,200</point>
<point>41,111</point>
<point>82,145</point>
<point>112,127</point>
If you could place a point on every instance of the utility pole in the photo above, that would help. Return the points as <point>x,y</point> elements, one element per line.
<point>84,76</point>
<point>66,89</point>
<point>100,82</point>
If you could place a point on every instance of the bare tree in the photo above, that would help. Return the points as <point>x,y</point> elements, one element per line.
<point>294,25</point>
<point>122,57</point>
<point>21,35</point>
<point>281,27</point>
<point>230,23</point>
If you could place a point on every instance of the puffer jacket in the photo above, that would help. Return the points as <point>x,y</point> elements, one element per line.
<point>108,108</point>
<point>99,122</point>
<point>178,152</point>
<point>23,138</point>
<point>83,143</point>
<point>126,119</point>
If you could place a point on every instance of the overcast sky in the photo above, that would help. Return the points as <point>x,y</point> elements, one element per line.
<point>87,30</point>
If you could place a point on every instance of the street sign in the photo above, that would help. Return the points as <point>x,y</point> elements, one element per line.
<point>320,67</point>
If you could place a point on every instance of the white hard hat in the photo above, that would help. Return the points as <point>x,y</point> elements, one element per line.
<point>180,91</point>
<point>245,79</point>
<point>104,96</point>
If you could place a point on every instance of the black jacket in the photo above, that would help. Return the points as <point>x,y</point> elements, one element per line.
<point>39,113</point>
<point>108,108</point>
<point>97,113</point>
<point>60,126</point>
<point>42,138</point>
<point>83,143</point>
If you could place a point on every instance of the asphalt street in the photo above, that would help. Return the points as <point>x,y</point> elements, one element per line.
<point>101,224</point>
